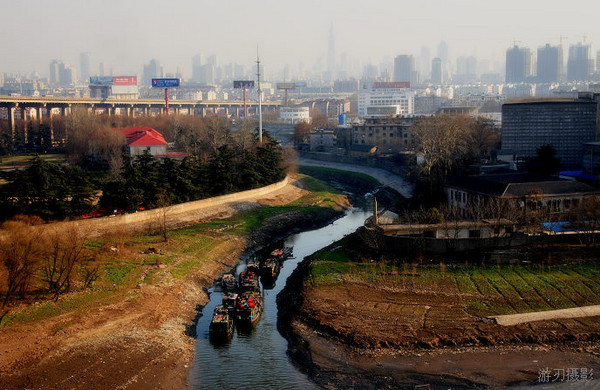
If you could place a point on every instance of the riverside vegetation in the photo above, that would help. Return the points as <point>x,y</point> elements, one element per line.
<point>140,307</point>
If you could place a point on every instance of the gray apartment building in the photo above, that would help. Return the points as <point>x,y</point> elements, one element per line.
<point>566,124</point>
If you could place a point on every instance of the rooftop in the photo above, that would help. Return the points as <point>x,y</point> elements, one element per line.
<point>143,136</point>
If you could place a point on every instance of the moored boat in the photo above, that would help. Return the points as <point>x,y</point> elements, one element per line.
<point>249,308</point>
<point>248,282</point>
<point>253,266</point>
<point>270,268</point>
<point>282,253</point>
<point>221,325</point>
<point>228,283</point>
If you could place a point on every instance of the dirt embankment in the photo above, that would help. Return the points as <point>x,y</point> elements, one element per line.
<point>143,338</point>
<point>371,335</point>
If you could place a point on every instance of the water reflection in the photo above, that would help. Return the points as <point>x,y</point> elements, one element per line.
<point>256,357</point>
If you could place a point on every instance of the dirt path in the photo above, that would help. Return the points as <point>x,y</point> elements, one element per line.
<point>576,312</point>
<point>134,339</point>
<point>386,178</point>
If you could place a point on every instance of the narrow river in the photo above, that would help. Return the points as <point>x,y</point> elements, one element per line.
<point>258,359</point>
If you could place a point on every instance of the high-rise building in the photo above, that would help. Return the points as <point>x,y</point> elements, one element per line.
<point>580,65</point>
<point>196,67</point>
<point>152,70</point>
<point>404,68</point>
<point>84,67</point>
<point>53,79</point>
<point>565,124</point>
<point>331,55</point>
<point>67,74</point>
<point>101,69</point>
<point>518,64</point>
<point>425,62</point>
<point>466,70</point>
<point>385,99</point>
<point>442,51</point>
<point>437,76</point>
<point>549,64</point>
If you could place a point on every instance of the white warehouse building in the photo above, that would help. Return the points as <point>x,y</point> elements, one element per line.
<point>294,115</point>
<point>386,99</point>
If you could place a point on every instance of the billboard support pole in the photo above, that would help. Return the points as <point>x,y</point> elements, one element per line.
<point>260,130</point>
<point>167,100</point>
<point>245,110</point>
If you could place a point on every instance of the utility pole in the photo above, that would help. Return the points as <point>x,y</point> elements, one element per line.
<point>260,129</point>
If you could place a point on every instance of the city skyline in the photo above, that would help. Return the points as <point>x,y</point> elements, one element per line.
<point>127,35</point>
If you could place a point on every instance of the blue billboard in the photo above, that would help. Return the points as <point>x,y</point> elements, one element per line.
<point>101,80</point>
<point>165,83</point>
<point>300,84</point>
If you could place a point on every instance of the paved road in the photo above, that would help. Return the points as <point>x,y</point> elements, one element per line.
<point>576,312</point>
<point>385,177</point>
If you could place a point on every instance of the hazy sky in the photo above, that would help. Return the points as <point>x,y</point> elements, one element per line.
<point>126,34</point>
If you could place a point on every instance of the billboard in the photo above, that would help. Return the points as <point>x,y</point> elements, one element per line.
<point>394,84</point>
<point>300,84</point>
<point>101,80</point>
<point>243,84</point>
<point>286,85</point>
<point>165,83</point>
<point>125,80</point>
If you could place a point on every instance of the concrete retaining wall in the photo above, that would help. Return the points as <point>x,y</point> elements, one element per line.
<point>181,212</point>
<point>372,162</point>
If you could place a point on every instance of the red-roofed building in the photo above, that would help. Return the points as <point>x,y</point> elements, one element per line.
<point>140,139</point>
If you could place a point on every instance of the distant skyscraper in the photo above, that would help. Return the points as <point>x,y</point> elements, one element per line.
<point>437,76</point>
<point>549,63</point>
<point>442,51</point>
<point>580,65</point>
<point>67,75</point>
<point>404,68</point>
<point>196,67</point>
<point>466,69</point>
<point>518,64</point>
<point>54,72</point>
<point>370,73</point>
<point>101,69</point>
<point>425,62</point>
<point>152,70</point>
<point>84,67</point>
<point>331,55</point>
<point>212,60</point>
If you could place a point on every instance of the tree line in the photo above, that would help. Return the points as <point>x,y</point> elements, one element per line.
<point>57,191</point>
<point>148,182</point>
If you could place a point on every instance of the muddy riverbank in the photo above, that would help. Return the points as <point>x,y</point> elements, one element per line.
<point>142,337</point>
<point>348,333</point>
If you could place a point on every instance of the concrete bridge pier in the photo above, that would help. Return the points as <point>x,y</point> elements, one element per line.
<point>11,121</point>
<point>24,119</point>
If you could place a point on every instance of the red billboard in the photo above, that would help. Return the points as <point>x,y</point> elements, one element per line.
<point>125,80</point>
<point>394,84</point>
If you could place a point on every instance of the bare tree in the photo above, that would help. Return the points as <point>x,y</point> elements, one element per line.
<point>66,250</point>
<point>244,137</point>
<point>160,222</point>
<point>20,248</point>
<point>302,133</point>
